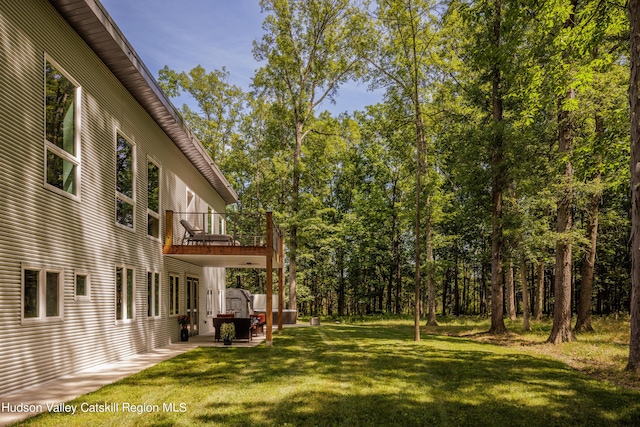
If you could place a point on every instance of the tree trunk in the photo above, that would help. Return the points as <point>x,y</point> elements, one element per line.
<point>525,291</point>
<point>510,293</point>
<point>456,287</point>
<point>483,290</point>
<point>634,103</point>
<point>398,287</point>
<point>445,290</point>
<point>293,232</point>
<point>431,281</point>
<point>418,262</point>
<point>561,331</point>
<point>497,311</point>
<point>393,261</point>
<point>583,324</point>
<point>341,283</point>
<point>538,302</point>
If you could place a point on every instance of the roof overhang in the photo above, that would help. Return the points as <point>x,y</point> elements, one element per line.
<point>92,22</point>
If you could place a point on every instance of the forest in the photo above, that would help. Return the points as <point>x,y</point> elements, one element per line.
<point>493,179</point>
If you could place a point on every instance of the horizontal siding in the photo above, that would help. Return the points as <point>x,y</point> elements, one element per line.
<point>45,229</point>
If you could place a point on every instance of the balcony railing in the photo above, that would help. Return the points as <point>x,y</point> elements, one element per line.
<point>214,229</point>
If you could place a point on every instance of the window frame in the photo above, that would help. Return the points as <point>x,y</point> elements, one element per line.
<point>151,212</point>
<point>74,159</point>
<point>210,303</point>
<point>222,300</point>
<point>121,197</point>
<point>41,301</point>
<point>174,294</point>
<point>87,294</point>
<point>154,293</point>
<point>125,297</point>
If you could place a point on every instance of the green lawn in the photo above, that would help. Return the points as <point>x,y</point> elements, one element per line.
<point>362,374</point>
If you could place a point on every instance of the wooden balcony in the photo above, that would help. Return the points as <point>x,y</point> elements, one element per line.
<point>220,240</point>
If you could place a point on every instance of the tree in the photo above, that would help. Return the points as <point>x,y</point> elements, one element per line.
<point>403,65</point>
<point>599,165</point>
<point>577,45</point>
<point>310,48</point>
<point>221,106</point>
<point>385,155</point>
<point>484,52</point>
<point>634,103</point>
<point>561,330</point>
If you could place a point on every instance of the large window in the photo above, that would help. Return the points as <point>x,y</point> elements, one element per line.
<point>62,136</point>
<point>174,295</point>
<point>153,199</point>
<point>42,294</point>
<point>125,293</point>
<point>153,294</point>
<point>125,182</point>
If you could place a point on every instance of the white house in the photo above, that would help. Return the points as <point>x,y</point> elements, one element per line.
<point>92,155</point>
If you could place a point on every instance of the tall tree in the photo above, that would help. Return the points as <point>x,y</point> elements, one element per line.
<point>604,139</point>
<point>634,103</point>
<point>498,176</point>
<point>310,48</point>
<point>578,36</point>
<point>561,330</point>
<point>403,65</point>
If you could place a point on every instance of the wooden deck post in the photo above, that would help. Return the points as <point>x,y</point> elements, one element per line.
<point>168,228</point>
<point>269,314</point>
<point>280,282</point>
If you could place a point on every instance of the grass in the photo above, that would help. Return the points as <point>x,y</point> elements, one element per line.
<point>373,373</point>
<point>602,354</point>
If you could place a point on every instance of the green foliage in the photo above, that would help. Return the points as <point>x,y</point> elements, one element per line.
<point>347,184</point>
<point>221,106</point>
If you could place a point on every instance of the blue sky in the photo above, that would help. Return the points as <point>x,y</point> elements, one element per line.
<point>211,33</point>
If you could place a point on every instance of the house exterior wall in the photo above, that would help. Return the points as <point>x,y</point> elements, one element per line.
<point>40,228</point>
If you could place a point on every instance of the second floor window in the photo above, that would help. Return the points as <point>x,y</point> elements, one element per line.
<point>61,132</point>
<point>153,199</point>
<point>125,182</point>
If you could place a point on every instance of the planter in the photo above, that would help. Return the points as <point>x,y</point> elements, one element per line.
<point>227,341</point>
<point>184,333</point>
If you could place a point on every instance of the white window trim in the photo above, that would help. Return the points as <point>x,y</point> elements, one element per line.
<point>155,274</point>
<point>122,321</point>
<point>149,211</point>
<point>75,160</point>
<point>222,300</point>
<point>134,173</point>
<point>42,305</point>
<point>177,296</point>
<point>210,303</point>
<point>86,274</point>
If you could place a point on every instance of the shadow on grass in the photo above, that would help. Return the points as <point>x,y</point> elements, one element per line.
<point>359,374</point>
<point>363,375</point>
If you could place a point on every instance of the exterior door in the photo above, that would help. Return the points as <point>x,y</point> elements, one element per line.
<point>193,284</point>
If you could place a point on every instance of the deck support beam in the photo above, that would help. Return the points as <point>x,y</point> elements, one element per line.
<point>269,314</point>
<point>280,284</point>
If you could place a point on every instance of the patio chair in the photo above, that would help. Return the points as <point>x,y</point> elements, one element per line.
<point>193,235</point>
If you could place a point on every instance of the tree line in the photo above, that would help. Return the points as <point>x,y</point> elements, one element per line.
<point>494,177</point>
